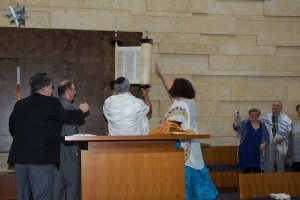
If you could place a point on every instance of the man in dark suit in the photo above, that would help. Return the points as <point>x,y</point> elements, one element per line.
<point>66,175</point>
<point>35,124</point>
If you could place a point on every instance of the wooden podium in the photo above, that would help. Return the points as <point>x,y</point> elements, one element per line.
<point>131,167</point>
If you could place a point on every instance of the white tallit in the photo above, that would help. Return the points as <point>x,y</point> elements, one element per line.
<point>284,125</point>
<point>126,115</point>
<point>184,111</point>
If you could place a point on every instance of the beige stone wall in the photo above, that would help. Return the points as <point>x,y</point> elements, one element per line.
<point>4,167</point>
<point>238,54</point>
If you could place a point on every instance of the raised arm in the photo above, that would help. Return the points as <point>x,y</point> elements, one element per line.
<point>166,80</point>
<point>147,99</point>
<point>236,118</point>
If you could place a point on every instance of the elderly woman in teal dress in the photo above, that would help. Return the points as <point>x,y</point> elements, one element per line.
<point>183,111</point>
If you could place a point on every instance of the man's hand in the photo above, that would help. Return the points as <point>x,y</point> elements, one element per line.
<point>280,140</point>
<point>84,107</point>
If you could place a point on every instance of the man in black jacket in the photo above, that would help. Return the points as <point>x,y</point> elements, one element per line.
<point>35,124</point>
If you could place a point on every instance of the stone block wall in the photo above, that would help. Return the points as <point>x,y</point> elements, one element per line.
<point>238,54</point>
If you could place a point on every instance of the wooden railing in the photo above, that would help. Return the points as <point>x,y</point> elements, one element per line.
<point>222,164</point>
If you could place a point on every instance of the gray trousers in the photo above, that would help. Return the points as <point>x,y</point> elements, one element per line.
<point>272,157</point>
<point>66,181</point>
<point>38,179</point>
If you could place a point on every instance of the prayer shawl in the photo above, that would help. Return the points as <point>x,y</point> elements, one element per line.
<point>126,115</point>
<point>284,125</point>
<point>241,129</point>
<point>170,127</point>
<point>184,111</point>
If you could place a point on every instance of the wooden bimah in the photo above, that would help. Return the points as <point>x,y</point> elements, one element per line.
<point>131,167</point>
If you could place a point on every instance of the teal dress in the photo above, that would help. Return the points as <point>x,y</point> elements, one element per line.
<point>198,185</point>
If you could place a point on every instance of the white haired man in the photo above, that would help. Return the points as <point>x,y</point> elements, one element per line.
<point>126,114</point>
<point>279,127</point>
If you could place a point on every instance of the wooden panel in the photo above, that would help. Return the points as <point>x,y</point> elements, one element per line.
<point>220,155</point>
<point>261,185</point>
<point>7,186</point>
<point>132,174</point>
<point>225,180</point>
<point>131,145</point>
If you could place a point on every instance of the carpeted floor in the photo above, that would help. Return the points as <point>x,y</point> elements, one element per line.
<point>228,196</point>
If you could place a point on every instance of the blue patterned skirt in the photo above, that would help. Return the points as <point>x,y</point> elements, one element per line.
<point>198,185</point>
